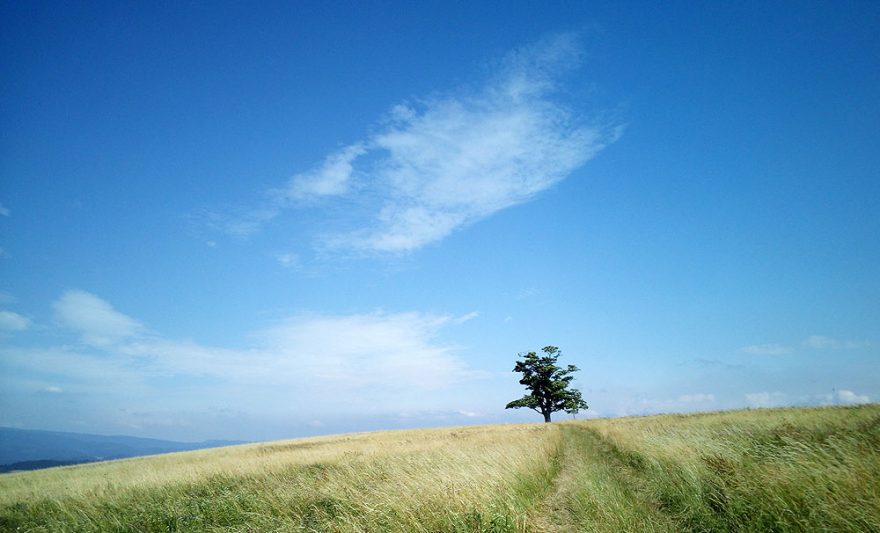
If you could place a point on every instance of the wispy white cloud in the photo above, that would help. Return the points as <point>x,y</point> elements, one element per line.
<point>4,211</point>
<point>717,364</point>
<point>527,293</point>
<point>332,178</point>
<point>10,322</point>
<point>780,399</point>
<point>467,318</point>
<point>696,398</point>
<point>820,342</point>
<point>345,354</point>
<point>392,350</point>
<point>766,399</point>
<point>67,364</point>
<point>815,342</point>
<point>96,321</point>
<point>440,416</point>
<point>441,163</point>
<point>288,260</point>
<point>682,403</point>
<point>238,222</point>
<point>767,349</point>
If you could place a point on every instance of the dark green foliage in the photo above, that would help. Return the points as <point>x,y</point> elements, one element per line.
<point>548,383</point>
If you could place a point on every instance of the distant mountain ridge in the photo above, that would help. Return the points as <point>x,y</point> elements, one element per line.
<point>26,449</point>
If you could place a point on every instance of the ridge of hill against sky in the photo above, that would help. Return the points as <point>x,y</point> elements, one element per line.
<point>253,222</point>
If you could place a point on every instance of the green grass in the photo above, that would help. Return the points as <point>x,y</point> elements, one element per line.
<point>765,470</point>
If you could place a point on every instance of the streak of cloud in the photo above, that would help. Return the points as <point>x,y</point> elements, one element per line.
<point>439,164</point>
<point>338,355</point>
<point>767,349</point>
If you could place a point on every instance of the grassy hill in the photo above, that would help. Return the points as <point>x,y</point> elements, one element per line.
<point>764,470</point>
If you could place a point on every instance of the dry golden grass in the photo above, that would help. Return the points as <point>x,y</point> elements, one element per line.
<point>404,480</point>
<point>765,470</point>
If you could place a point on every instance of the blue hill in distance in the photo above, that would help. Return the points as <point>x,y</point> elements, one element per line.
<point>26,449</point>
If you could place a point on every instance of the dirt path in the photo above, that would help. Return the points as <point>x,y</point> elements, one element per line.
<point>551,514</point>
<point>593,492</point>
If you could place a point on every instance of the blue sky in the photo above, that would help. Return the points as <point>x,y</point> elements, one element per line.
<point>257,222</point>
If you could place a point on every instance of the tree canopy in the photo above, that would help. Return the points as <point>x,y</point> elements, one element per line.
<point>549,384</point>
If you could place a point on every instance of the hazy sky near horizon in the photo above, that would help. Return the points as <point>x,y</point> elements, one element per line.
<point>238,221</point>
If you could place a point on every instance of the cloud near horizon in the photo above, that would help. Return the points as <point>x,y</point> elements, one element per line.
<point>342,353</point>
<point>820,342</point>
<point>359,350</point>
<point>781,399</point>
<point>438,164</point>
<point>815,342</point>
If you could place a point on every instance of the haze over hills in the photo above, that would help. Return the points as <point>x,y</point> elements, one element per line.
<point>23,449</point>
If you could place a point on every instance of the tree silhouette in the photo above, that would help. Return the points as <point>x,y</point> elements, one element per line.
<point>548,383</point>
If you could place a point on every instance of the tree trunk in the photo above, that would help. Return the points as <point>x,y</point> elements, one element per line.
<point>547,417</point>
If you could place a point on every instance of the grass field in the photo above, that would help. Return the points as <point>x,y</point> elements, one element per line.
<point>765,470</point>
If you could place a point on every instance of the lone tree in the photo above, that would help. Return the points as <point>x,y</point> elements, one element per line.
<point>549,384</point>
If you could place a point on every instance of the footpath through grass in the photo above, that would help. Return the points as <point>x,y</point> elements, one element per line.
<point>593,492</point>
<point>765,470</point>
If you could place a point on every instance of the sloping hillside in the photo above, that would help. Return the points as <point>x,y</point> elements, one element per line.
<point>767,470</point>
